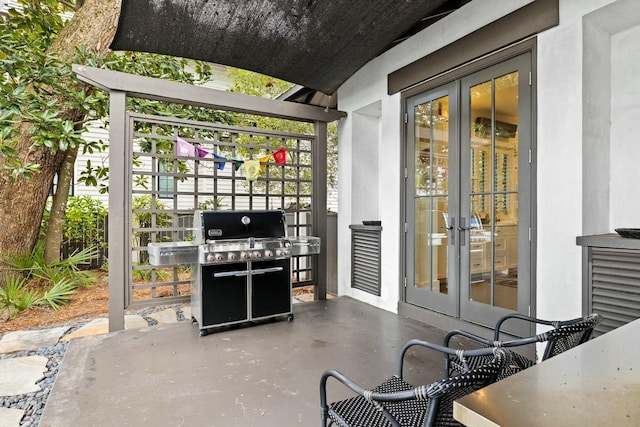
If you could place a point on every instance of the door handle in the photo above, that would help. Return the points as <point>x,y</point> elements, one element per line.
<point>462,228</point>
<point>265,270</point>
<point>231,273</point>
<point>452,230</point>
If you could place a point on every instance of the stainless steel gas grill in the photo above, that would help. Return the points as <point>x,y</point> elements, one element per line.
<point>242,268</point>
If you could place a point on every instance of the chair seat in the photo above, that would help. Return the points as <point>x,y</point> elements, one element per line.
<point>357,412</point>
<point>515,363</point>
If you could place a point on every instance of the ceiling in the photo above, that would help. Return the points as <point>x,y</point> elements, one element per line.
<point>315,44</point>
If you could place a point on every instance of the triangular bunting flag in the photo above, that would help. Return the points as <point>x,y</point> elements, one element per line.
<point>263,161</point>
<point>203,153</point>
<point>251,169</point>
<point>220,160</point>
<point>280,156</point>
<point>183,148</point>
<point>237,162</point>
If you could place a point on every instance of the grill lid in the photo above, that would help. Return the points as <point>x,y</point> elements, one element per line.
<point>223,225</point>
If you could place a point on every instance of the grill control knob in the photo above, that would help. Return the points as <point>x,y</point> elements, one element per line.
<point>256,255</point>
<point>244,255</point>
<point>268,254</point>
<point>282,252</point>
<point>214,257</point>
<point>232,257</point>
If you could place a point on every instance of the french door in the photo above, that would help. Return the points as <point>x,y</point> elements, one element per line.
<point>468,195</point>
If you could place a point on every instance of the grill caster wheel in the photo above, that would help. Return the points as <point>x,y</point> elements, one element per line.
<point>193,320</point>
<point>203,332</point>
<point>290,317</point>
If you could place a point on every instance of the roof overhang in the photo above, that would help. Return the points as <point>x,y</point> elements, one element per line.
<point>315,44</point>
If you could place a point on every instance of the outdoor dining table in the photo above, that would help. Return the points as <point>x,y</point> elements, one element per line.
<point>594,384</point>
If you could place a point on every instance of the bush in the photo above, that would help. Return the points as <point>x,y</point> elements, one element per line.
<point>16,295</point>
<point>29,281</point>
<point>84,227</point>
<point>84,220</point>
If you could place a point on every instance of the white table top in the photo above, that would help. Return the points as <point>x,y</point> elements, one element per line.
<point>594,384</point>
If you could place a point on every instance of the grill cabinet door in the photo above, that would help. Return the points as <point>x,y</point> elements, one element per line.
<point>270,291</point>
<point>224,294</point>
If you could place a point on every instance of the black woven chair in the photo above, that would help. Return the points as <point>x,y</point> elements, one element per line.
<point>396,403</point>
<point>564,336</point>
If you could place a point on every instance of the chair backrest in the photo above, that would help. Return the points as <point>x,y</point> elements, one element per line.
<point>570,335</point>
<point>564,336</point>
<point>442,393</point>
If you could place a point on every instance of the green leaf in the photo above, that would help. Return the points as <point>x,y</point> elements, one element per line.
<point>60,293</point>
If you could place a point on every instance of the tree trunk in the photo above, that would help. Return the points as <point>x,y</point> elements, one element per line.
<point>55,227</point>
<point>22,202</point>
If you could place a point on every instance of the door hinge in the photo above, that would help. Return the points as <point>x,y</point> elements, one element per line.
<point>530,155</point>
<point>406,118</point>
<point>406,227</point>
<point>405,281</point>
<point>529,312</point>
<point>406,173</point>
<point>529,78</point>
<point>529,233</point>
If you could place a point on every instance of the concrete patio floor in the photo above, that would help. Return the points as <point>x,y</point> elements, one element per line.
<point>264,375</point>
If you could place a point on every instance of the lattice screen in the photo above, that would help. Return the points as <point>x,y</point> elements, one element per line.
<point>167,188</point>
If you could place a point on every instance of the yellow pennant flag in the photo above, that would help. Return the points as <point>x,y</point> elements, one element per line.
<point>263,161</point>
<point>251,169</point>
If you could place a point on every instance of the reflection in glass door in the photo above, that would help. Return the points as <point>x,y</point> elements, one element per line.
<point>494,228</point>
<point>467,230</point>
<point>428,203</point>
<point>493,196</point>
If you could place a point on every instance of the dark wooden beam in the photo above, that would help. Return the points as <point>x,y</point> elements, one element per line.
<point>520,24</point>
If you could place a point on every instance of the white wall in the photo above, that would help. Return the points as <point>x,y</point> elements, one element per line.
<point>366,88</point>
<point>365,185</point>
<point>585,72</point>
<point>588,101</point>
<point>625,139</point>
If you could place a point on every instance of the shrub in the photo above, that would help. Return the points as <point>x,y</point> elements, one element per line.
<point>84,220</point>
<point>29,281</point>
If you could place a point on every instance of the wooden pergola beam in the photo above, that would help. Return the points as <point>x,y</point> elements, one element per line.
<point>182,93</point>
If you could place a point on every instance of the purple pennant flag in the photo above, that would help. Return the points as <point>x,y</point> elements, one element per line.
<point>203,153</point>
<point>183,148</point>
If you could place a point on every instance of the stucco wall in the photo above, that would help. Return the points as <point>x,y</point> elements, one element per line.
<point>366,88</point>
<point>588,101</point>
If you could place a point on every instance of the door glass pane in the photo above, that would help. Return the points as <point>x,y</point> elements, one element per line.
<point>493,216</point>
<point>431,197</point>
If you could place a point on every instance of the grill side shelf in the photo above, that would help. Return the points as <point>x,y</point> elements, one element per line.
<point>171,253</point>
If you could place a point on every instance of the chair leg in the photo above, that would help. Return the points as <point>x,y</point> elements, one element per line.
<point>432,412</point>
<point>323,418</point>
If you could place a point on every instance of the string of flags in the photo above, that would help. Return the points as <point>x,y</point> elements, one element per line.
<point>252,168</point>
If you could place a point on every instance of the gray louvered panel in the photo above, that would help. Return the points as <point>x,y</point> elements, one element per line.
<point>615,287</point>
<point>629,293</point>
<point>620,270</point>
<point>365,259</point>
<point>620,283</point>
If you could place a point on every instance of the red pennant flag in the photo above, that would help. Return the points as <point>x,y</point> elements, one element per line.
<point>280,156</point>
